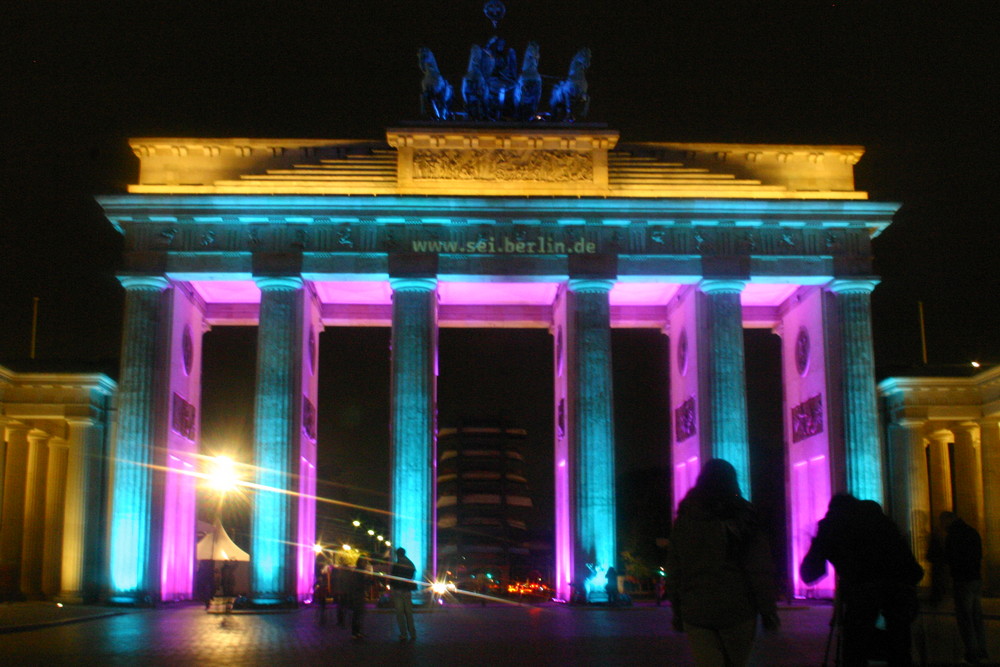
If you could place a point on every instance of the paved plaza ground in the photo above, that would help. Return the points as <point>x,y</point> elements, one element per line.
<point>497,634</point>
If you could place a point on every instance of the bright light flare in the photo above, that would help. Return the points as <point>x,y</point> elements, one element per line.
<point>222,474</point>
<point>317,548</point>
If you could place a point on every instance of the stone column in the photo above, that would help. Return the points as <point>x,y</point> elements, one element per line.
<point>413,426</point>
<point>12,524</point>
<point>968,474</point>
<point>940,473</point>
<point>32,548</point>
<point>55,501</point>
<point>591,413</point>
<point>133,575</point>
<point>863,456</point>
<point>81,516</point>
<point>990,448</point>
<point>911,501</point>
<point>276,412</point>
<point>727,376</point>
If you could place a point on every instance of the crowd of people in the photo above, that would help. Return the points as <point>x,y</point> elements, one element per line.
<point>721,584</point>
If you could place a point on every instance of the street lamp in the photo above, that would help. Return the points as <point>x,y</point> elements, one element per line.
<point>222,474</point>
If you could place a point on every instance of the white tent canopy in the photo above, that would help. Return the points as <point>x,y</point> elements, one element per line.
<point>217,545</point>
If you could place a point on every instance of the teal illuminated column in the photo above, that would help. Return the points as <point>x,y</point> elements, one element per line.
<point>412,437</point>
<point>727,375</point>
<point>863,458</point>
<point>591,429</point>
<point>131,554</point>
<point>272,533</point>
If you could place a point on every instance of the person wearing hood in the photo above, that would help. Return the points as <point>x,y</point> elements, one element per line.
<point>719,572</point>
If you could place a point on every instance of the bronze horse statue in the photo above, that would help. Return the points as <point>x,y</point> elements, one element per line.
<point>475,89</point>
<point>436,92</point>
<point>528,91</point>
<point>569,99</point>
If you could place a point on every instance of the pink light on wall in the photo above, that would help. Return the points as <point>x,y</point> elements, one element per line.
<point>766,294</point>
<point>499,294</point>
<point>642,294</point>
<point>227,291</point>
<point>811,488</point>
<point>177,567</point>
<point>367,292</point>
<point>307,529</point>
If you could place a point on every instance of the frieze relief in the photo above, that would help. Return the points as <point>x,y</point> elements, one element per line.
<point>364,235</point>
<point>543,166</point>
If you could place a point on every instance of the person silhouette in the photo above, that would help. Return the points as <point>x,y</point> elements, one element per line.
<point>719,572</point>
<point>876,574</point>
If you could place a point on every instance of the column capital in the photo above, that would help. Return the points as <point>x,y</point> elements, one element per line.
<point>910,422</point>
<point>139,282</point>
<point>852,285</point>
<point>56,441</point>
<point>944,435</point>
<point>277,283</point>
<point>589,285</point>
<point>713,286</point>
<point>37,435</point>
<point>413,284</point>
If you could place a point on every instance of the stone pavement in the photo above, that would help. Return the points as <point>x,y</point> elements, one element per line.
<point>497,634</point>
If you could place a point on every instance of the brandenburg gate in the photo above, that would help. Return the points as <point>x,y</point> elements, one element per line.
<point>558,226</point>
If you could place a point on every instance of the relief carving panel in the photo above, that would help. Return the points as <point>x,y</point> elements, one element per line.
<point>548,166</point>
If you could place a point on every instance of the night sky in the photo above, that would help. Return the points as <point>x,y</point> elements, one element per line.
<point>912,86</point>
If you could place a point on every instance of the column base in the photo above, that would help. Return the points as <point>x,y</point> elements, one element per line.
<point>130,599</point>
<point>266,602</point>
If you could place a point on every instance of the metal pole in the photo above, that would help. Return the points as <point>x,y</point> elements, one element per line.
<point>34,325</point>
<point>923,332</point>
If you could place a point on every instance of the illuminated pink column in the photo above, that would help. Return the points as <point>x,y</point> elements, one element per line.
<point>55,501</point>
<point>911,499</point>
<point>564,457</point>
<point>689,387</point>
<point>12,526</point>
<point>309,373</point>
<point>804,365</point>
<point>180,432</point>
<point>32,549</point>
<point>990,447</point>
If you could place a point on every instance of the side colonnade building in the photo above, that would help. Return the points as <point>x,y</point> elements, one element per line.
<point>943,441</point>
<point>53,479</point>
<point>545,225</point>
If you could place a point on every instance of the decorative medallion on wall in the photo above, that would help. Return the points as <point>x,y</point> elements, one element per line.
<point>802,351</point>
<point>308,418</point>
<point>182,417</point>
<point>807,418</point>
<point>682,352</point>
<point>187,349</point>
<point>312,350</point>
<point>559,351</point>
<point>686,424</point>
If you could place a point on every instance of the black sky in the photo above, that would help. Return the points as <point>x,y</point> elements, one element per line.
<point>911,81</point>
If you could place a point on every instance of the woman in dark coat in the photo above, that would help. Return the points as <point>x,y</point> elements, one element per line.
<point>719,573</point>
